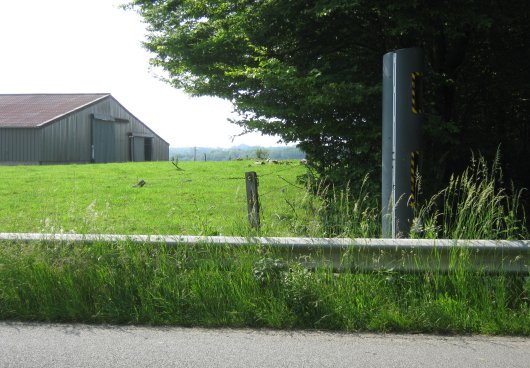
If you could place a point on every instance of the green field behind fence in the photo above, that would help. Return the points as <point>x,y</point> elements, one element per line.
<point>204,198</point>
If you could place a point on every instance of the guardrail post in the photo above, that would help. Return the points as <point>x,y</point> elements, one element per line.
<point>251,180</point>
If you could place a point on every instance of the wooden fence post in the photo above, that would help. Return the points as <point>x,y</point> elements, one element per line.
<point>252,199</point>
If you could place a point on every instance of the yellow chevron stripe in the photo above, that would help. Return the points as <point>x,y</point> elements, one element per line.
<point>413,171</point>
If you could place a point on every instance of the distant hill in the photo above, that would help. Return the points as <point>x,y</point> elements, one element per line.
<point>233,153</point>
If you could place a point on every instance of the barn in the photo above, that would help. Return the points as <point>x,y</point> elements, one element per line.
<point>73,128</point>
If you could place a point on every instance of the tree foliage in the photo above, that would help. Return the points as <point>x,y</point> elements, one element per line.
<point>310,72</point>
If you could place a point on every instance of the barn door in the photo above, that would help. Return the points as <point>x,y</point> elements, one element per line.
<point>148,149</point>
<point>103,141</point>
<point>142,148</point>
<point>139,149</point>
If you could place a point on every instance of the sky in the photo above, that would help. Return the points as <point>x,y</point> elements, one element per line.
<point>93,46</point>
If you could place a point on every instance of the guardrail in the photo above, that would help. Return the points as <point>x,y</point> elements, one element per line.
<point>490,256</point>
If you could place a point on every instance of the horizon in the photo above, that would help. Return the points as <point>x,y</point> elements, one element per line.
<point>242,145</point>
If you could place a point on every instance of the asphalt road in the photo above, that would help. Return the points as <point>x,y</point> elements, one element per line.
<point>45,345</point>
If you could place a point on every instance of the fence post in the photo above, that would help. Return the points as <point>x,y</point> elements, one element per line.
<point>251,180</point>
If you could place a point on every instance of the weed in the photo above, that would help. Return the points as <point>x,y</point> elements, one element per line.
<point>474,205</point>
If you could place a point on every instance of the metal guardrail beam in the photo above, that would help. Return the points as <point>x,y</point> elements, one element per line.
<point>360,253</point>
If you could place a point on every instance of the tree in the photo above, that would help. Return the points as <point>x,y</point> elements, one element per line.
<point>262,154</point>
<point>310,71</point>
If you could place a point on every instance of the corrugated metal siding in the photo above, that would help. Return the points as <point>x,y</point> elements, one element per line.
<point>160,150</point>
<point>69,139</point>
<point>20,145</point>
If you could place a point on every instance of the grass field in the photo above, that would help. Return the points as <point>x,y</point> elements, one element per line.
<point>206,198</point>
<point>249,286</point>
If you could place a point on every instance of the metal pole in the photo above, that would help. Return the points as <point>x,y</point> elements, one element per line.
<point>394,143</point>
<point>402,117</point>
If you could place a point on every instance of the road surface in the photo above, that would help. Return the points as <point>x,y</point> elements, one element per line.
<point>56,345</point>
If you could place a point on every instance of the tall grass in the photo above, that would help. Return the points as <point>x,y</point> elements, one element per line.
<point>248,286</point>
<point>329,211</point>
<point>474,205</point>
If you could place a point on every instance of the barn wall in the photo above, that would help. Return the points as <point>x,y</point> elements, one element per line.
<point>19,145</point>
<point>67,140</point>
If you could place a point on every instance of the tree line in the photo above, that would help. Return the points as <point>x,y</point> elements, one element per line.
<point>234,153</point>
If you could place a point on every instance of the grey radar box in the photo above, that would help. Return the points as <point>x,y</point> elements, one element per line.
<point>402,119</point>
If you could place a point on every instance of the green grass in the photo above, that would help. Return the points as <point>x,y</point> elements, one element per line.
<point>253,286</point>
<point>207,198</point>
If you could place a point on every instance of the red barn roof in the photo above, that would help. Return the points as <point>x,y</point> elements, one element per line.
<point>35,110</point>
